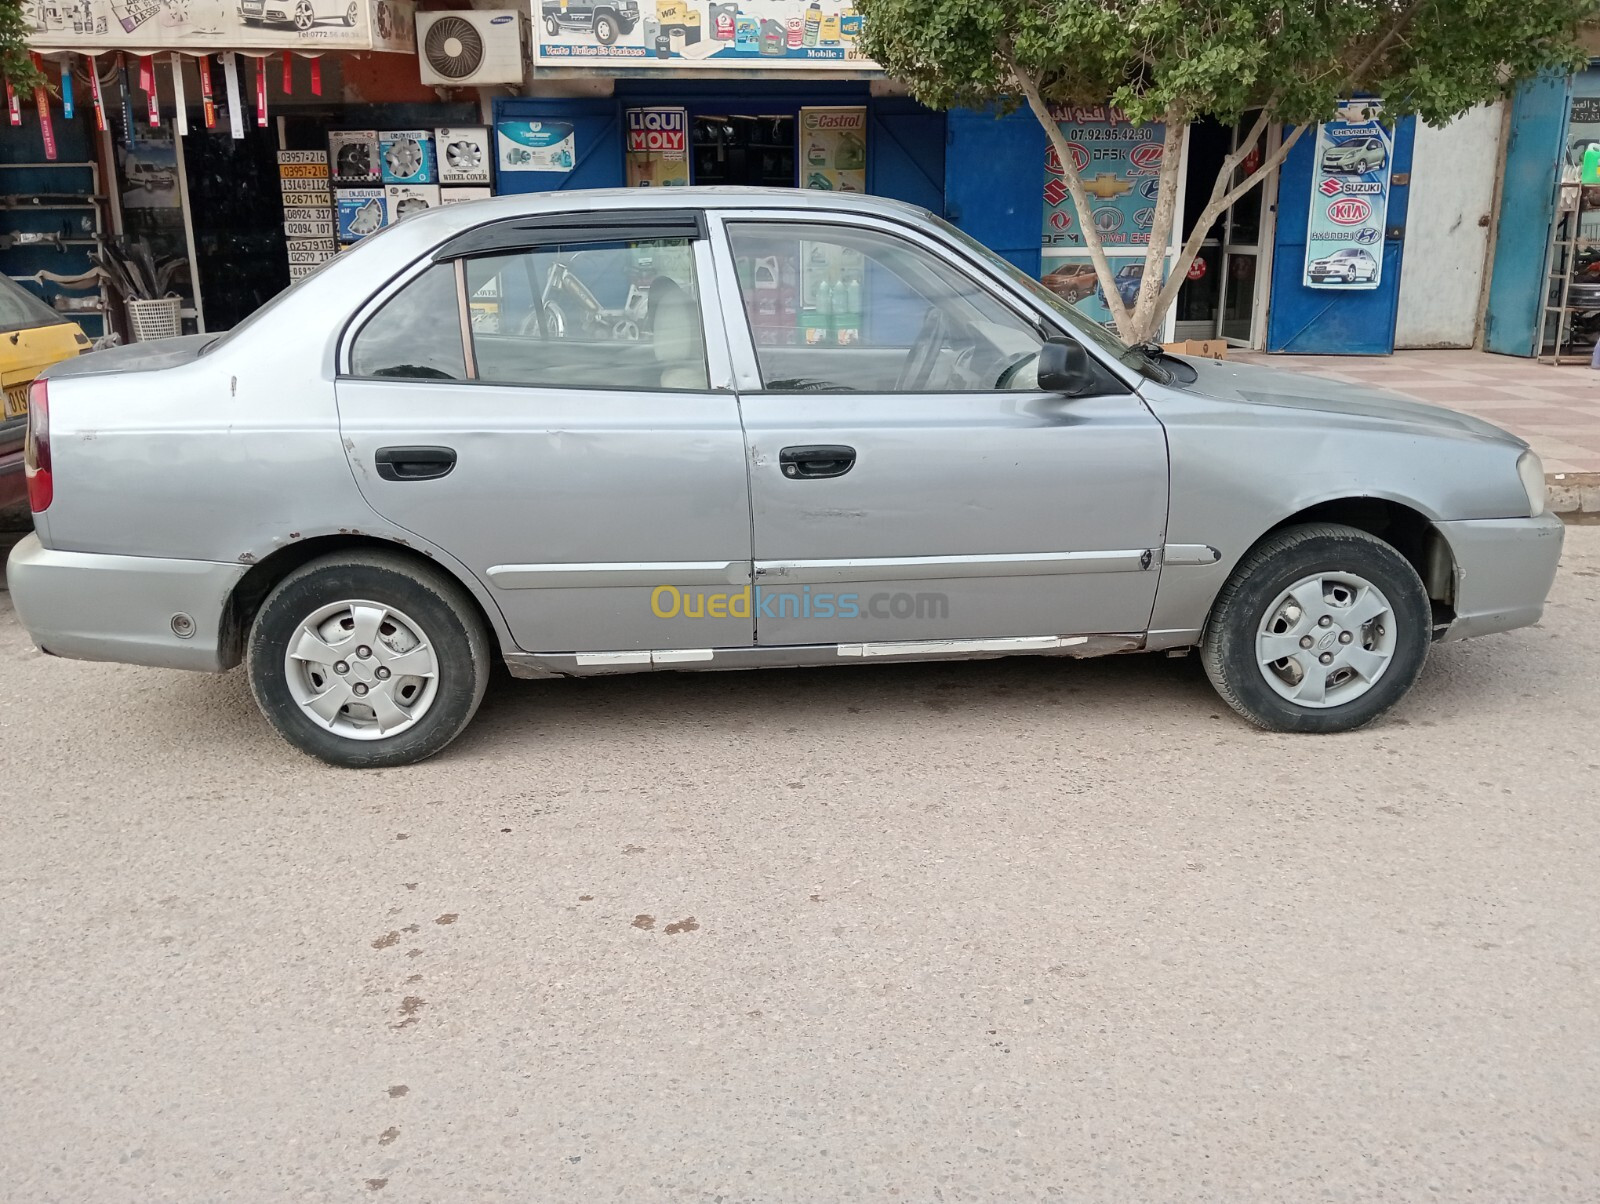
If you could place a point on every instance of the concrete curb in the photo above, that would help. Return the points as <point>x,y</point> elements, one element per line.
<point>1575,496</point>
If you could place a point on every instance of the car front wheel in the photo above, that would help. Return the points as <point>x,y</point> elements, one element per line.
<point>1321,628</point>
<point>368,659</point>
<point>605,30</point>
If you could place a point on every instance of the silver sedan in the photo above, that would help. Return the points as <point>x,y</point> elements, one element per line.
<point>625,431</point>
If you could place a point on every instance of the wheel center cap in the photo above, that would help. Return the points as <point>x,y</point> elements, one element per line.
<point>1328,639</point>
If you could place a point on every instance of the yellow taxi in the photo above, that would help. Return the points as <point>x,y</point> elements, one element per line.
<point>32,337</point>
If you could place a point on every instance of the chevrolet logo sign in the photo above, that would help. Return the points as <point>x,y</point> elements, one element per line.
<point>1105,186</point>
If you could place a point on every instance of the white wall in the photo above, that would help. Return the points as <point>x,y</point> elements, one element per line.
<point>1452,191</point>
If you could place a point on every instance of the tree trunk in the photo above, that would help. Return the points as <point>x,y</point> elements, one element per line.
<point>1148,317</point>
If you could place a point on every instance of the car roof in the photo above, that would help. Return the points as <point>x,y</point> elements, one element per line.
<point>448,219</point>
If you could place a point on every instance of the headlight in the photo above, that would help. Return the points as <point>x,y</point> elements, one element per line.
<point>1531,469</point>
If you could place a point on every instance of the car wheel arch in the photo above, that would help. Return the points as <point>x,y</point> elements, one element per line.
<point>264,574</point>
<point>1402,525</point>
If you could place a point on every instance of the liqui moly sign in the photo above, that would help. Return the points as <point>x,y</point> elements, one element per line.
<point>657,130</point>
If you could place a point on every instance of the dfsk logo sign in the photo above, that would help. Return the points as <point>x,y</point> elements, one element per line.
<point>1351,211</point>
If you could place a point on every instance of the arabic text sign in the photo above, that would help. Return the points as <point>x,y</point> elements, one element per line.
<point>1120,165</point>
<point>1349,201</point>
<point>699,34</point>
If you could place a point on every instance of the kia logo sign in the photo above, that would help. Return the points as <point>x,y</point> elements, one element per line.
<point>1147,154</point>
<point>1351,211</point>
<point>1080,158</point>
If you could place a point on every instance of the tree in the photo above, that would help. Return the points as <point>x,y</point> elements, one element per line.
<point>16,64</point>
<point>1265,62</point>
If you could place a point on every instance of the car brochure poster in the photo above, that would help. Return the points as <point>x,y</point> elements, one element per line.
<point>360,212</point>
<point>1349,200</point>
<point>406,156</point>
<point>463,154</point>
<point>700,34</point>
<point>658,147</point>
<point>353,156</point>
<point>207,26</point>
<point>307,210</point>
<point>1120,164</point>
<point>833,149</point>
<point>535,146</point>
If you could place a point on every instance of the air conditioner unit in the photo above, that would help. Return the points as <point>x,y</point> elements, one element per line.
<point>462,49</point>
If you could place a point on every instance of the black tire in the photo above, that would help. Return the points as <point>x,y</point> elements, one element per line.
<point>1228,648</point>
<point>350,15</point>
<point>605,29</point>
<point>552,28</point>
<point>436,603</point>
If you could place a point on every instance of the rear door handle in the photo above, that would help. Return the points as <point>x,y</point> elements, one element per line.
<point>414,463</point>
<point>809,463</point>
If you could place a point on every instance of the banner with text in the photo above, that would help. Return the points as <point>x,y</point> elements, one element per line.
<point>699,34</point>
<point>658,147</point>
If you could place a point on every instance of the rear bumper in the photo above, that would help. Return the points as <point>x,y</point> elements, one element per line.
<point>95,607</point>
<point>1504,568</point>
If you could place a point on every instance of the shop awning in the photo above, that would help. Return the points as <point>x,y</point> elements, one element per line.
<point>209,26</point>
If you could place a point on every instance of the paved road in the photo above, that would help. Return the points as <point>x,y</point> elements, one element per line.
<point>1002,932</point>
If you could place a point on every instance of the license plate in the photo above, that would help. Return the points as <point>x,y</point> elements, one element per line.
<point>16,400</point>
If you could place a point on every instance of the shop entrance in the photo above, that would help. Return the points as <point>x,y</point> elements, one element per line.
<point>823,134</point>
<point>736,148</point>
<point>1227,285</point>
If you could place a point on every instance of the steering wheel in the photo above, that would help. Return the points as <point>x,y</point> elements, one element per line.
<point>1009,372</point>
<point>924,353</point>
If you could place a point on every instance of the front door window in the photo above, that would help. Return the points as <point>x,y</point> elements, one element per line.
<point>838,309</point>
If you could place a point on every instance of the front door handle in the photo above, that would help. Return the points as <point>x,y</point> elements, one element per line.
<point>414,463</point>
<point>809,463</point>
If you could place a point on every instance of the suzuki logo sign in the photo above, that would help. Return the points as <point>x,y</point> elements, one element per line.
<point>1351,211</point>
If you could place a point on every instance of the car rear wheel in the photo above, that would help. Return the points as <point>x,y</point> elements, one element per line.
<point>368,659</point>
<point>551,27</point>
<point>1321,628</point>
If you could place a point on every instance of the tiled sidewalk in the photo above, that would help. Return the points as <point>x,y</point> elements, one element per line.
<point>1557,410</point>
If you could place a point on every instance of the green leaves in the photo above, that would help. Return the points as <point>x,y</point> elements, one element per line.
<point>1222,58</point>
<point>16,66</point>
<point>1180,60</point>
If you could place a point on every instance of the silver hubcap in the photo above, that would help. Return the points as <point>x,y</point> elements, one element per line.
<point>1326,640</point>
<point>361,669</point>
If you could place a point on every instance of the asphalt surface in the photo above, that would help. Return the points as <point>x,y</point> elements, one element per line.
<point>1002,931</point>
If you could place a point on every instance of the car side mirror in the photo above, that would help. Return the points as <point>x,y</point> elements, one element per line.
<point>1064,367</point>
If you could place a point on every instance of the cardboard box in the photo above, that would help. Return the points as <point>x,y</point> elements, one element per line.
<point>454,196</point>
<point>353,156</point>
<point>406,156</point>
<point>463,154</point>
<point>405,199</point>
<point>1214,349</point>
<point>360,212</point>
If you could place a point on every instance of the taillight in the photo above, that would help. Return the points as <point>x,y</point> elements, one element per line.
<point>36,452</point>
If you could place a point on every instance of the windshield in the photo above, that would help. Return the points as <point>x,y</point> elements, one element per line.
<point>20,309</point>
<point>1131,357</point>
